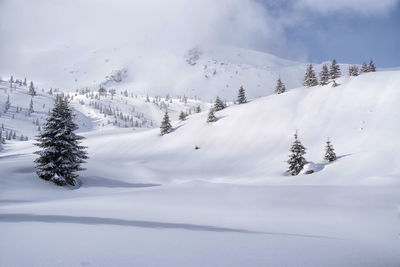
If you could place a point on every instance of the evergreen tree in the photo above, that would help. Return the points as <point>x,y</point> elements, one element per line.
<point>324,75</point>
<point>198,109</point>
<point>353,70</point>
<point>309,78</point>
<point>364,68</point>
<point>8,104</point>
<point>165,127</point>
<point>211,117</point>
<point>30,111</point>
<point>12,79</point>
<point>334,70</point>
<point>296,160</point>
<point>241,99</point>
<point>219,105</point>
<point>329,152</point>
<point>280,87</point>
<point>32,90</point>
<point>61,154</point>
<point>371,66</point>
<point>25,83</point>
<point>182,116</point>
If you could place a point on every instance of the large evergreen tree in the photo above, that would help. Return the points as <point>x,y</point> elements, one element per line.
<point>280,87</point>
<point>241,99</point>
<point>324,75</point>
<point>334,70</point>
<point>211,116</point>
<point>329,152</point>
<point>165,127</point>
<point>61,154</point>
<point>371,66</point>
<point>219,105</point>
<point>296,160</point>
<point>309,78</point>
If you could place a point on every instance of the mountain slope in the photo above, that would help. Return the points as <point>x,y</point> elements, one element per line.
<point>249,143</point>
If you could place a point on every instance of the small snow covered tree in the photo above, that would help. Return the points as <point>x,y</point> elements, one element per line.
<point>329,152</point>
<point>211,116</point>
<point>241,99</point>
<point>32,90</point>
<point>182,116</point>
<point>309,78</point>
<point>30,110</point>
<point>296,160</point>
<point>280,87</point>
<point>371,66</point>
<point>324,75</point>
<point>198,109</point>
<point>25,83</point>
<point>61,154</point>
<point>219,105</point>
<point>364,68</point>
<point>334,70</point>
<point>353,70</point>
<point>8,104</point>
<point>165,127</point>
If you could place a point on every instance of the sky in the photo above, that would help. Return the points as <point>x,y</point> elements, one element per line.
<point>352,31</point>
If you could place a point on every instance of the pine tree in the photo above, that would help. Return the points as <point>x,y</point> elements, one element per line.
<point>364,68</point>
<point>182,116</point>
<point>296,160</point>
<point>165,127</point>
<point>241,99</point>
<point>30,111</point>
<point>329,152</point>
<point>353,70</point>
<point>309,78</point>
<point>324,75</point>
<point>280,87</point>
<point>371,66</point>
<point>32,90</point>
<point>198,109</point>
<point>25,83</point>
<point>334,70</point>
<point>61,154</point>
<point>12,79</point>
<point>219,105</point>
<point>211,117</point>
<point>8,104</point>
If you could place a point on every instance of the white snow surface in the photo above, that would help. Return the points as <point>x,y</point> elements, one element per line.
<point>151,200</point>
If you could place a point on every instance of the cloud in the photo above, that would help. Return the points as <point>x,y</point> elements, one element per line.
<point>33,33</point>
<point>362,7</point>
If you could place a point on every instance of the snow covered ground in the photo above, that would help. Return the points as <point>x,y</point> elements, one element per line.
<point>151,200</point>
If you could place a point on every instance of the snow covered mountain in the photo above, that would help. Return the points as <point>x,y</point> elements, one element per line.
<point>199,72</point>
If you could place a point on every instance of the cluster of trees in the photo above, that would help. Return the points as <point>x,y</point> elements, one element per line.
<point>7,106</point>
<point>32,90</point>
<point>327,73</point>
<point>353,70</point>
<point>296,157</point>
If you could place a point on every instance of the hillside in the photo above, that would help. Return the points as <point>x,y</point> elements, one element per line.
<point>227,203</point>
